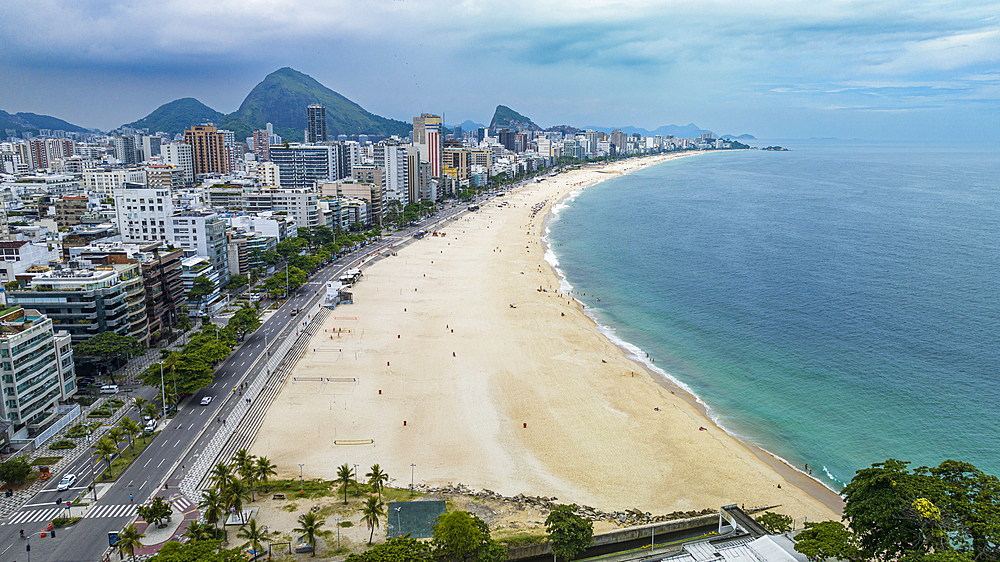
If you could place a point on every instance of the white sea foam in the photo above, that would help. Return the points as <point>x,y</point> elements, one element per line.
<point>636,353</point>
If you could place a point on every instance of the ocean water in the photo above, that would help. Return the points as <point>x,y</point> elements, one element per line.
<point>837,304</point>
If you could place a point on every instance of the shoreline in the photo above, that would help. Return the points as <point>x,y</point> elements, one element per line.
<point>462,361</point>
<point>811,485</point>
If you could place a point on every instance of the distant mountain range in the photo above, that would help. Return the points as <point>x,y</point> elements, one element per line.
<point>468,125</point>
<point>32,122</point>
<point>280,99</point>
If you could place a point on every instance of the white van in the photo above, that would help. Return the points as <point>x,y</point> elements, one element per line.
<point>109,389</point>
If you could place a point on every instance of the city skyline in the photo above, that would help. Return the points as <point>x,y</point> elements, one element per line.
<point>882,70</point>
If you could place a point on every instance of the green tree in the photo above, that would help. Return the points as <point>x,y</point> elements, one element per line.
<point>396,549</point>
<point>201,287</point>
<point>128,539</point>
<point>309,526</point>
<point>264,470</point>
<point>372,510</point>
<point>212,507</point>
<point>106,347</point>
<point>196,532</point>
<point>15,470</point>
<point>775,523</point>
<point>253,535</point>
<point>222,476</point>
<point>236,495</point>
<point>106,449</point>
<point>115,434</point>
<point>829,539</point>
<point>377,480</point>
<point>569,533</point>
<point>243,462</point>
<point>344,477</point>
<point>460,536</point>
<point>200,551</point>
<point>131,429</point>
<point>237,281</point>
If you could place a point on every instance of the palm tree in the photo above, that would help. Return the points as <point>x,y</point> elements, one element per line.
<point>138,403</point>
<point>116,433</point>
<point>132,430</point>
<point>377,479</point>
<point>309,526</point>
<point>254,534</point>
<point>199,532</point>
<point>221,475</point>
<point>265,470</point>
<point>149,409</point>
<point>106,449</point>
<point>128,540</point>
<point>344,477</point>
<point>372,511</point>
<point>235,495</point>
<point>244,464</point>
<point>212,507</point>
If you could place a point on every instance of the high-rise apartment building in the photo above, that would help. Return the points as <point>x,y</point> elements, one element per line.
<point>83,302</point>
<point>143,214</point>
<point>179,155</point>
<point>316,117</point>
<point>300,166</point>
<point>160,176</point>
<point>261,143</point>
<point>208,149</point>
<point>202,233</point>
<point>105,182</point>
<point>38,368</point>
<point>428,139</point>
<point>125,150</point>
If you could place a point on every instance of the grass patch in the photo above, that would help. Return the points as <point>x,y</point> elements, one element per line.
<point>121,463</point>
<point>313,488</point>
<point>346,524</point>
<point>116,402</point>
<point>64,521</point>
<point>290,508</point>
<point>399,495</point>
<point>63,444</point>
<point>45,461</point>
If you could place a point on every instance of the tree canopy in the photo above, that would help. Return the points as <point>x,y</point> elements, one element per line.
<point>199,551</point>
<point>461,536</point>
<point>949,512</point>
<point>569,533</point>
<point>108,346</point>
<point>15,470</point>
<point>396,549</point>
<point>201,287</point>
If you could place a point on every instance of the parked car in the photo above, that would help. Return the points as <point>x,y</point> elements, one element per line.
<point>150,426</point>
<point>66,482</point>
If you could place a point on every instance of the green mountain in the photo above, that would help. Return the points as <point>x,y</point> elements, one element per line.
<point>178,115</point>
<point>506,118</point>
<point>280,99</point>
<point>32,122</point>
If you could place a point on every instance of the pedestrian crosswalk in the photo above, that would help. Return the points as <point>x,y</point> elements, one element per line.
<point>103,511</point>
<point>180,504</point>
<point>37,515</point>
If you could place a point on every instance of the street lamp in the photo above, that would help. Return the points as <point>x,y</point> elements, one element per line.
<point>355,480</point>
<point>411,478</point>
<point>163,392</point>
<point>302,488</point>
<point>338,534</point>
<point>399,528</point>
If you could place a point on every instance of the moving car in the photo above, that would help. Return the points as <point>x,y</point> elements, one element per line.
<point>66,482</point>
<point>206,401</point>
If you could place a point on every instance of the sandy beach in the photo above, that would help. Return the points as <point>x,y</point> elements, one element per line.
<point>461,362</point>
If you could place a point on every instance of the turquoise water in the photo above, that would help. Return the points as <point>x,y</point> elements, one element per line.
<point>837,305</point>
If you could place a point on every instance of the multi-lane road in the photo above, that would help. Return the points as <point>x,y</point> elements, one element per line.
<point>177,444</point>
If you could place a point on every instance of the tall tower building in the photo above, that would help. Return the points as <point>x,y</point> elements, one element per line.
<point>208,149</point>
<point>316,115</point>
<point>261,145</point>
<point>427,137</point>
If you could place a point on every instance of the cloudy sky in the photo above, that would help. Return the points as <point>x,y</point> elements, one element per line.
<point>869,69</point>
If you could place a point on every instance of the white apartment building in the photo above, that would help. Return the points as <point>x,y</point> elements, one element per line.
<point>266,223</point>
<point>179,154</point>
<point>143,214</point>
<point>300,204</point>
<point>395,175</point>
<point>37,368</point>
<point>105,182</point>
<point>17,257</point>
<point>201,233</point>
<point>268,174</point>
